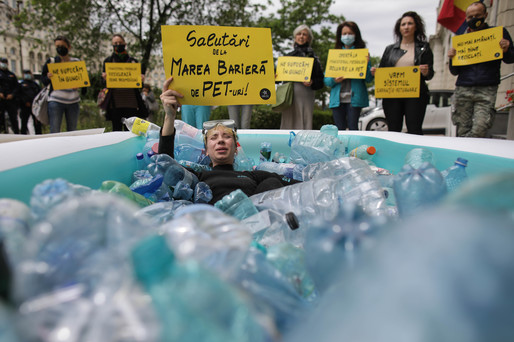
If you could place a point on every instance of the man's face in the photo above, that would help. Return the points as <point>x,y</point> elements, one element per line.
<point>475,14</point>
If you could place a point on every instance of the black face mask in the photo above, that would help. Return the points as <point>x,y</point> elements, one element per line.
<point>475,23</point>
<point>119,48</point>
<point>62,50</point>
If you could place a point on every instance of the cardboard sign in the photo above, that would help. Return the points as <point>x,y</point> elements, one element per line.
<point>397,82</point>
<point>294,69</point>
<point>68,75</point>
<point>218,65</point>
<point>477,47</point>
<point>123,75</point>
<point>349,63</point>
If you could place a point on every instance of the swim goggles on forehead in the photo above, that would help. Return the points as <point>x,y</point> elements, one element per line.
<point>208,125</point>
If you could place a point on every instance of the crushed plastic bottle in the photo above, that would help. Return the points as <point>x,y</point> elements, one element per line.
<point>456,174</point>
<point>418,156</point>
<point>203,193</point>
<point>330,130</point>
<point>312,147</point>
<point>270,227</point>
<point>242,162</point>
<point>236,204</point>
<point>175,173</point>
<point>290,170</point>
<point>139,126</point>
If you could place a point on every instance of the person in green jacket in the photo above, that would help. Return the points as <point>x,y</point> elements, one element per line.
<point>348,96</point>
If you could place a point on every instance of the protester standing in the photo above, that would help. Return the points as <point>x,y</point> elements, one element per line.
<point>8,89</point>
<point>27,92</point>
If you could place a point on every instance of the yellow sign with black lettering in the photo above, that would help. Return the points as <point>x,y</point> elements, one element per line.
<point>347,63</point>
<point>477,47</point>
<point>397,82</point>
<point>69,75</point>
<point>294,69</point>
<point>123,75</point>
<point>219,65</point>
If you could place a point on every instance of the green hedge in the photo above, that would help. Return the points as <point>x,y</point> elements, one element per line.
<point>264,118</point>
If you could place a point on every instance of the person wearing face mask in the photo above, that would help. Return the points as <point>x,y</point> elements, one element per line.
<point>122,102</point>
<point>299,114</point>
<point>8,89</point>
<point>62,102</point>
<point>477,84</point>
<point>348,96</point>
<point>26,93</point>
<point>411,49</point>
<point>220,140</point>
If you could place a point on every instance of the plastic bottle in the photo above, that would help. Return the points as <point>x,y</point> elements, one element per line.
<point>417,189</point>
<point>192,304</point>
<point>203,193</point>
<point>418,156</point>
<point>182,191</point>
<point>15,223</point>
<point>456,174</point>
<point>7,324</point>
<point>149,149</point>
<point>139,126</point>
<point>289,170</point>
<point>265,152</point>
<point>363,152</point>
<point>241,161</point>
<point>160,164</point>
<point>236,204</point>
<point>279,158</point>
<point>194,166</point>
<point>123,190</point>
<point>270,227</point>
<point>187,134</point>
<point>312,147</point>
<point>161,212</point>
<point>346,179</point>
<point>330,130</point>
<point>140,161</point>
<point>176,173</point>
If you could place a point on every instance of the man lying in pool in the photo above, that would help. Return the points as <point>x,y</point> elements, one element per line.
<point>221,147</point>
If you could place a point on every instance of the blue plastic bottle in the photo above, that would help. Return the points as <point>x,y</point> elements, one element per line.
<point>203,193</point>
<point>455,174</point>
<point>192,304</point>
<point>417,189</point>
<point>236,204</point>
<point>140,161</point>
<point>176,173</point>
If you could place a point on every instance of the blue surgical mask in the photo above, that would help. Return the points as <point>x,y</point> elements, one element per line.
<point>348,39</point>
<point>27,76</point>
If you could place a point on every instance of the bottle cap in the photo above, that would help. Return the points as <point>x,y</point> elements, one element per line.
<point>292,221</point>
<point>371,150</point>
<point>462,161</point>
<point>139,156</point>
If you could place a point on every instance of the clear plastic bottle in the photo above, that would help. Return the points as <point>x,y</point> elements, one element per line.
<point>203,193</point>
<point>330,130</point>
<point>192,304</point>
<point>242,162</point>
<point>236,204</point>
<point>418,156</point>
<point>139,126</point>
<point>176,173</point>
<point>289,170</point>
<point>312,147</point>
<point>270,227</point>
<point>15,223</point>
<point>417,189</point>
<point>455,174</point>
<point>265,152</point>
<point>363,152</point>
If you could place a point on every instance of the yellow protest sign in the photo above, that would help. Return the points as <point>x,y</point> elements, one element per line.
<point>219,65</point>
<point>477,47</point>
<point>349,63</point>
<point>123,75</point>
<point>397,82</point>
<point>294,69</point>
<point>68,75</point>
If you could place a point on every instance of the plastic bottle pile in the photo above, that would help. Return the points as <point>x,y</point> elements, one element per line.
<point>352,253</point>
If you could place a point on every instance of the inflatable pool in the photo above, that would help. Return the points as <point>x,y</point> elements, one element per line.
<point>90,159</point>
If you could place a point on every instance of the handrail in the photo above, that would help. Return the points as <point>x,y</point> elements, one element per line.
<point>507,76</point>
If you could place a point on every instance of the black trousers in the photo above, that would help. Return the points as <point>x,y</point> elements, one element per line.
<point>117,114</point>
<point>25,114</point>
<point>12,110</point>
<point>413,109</point>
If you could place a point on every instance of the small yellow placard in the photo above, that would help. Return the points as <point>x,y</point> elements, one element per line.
<point>347,63</point>
<point>219,65</point>
<point>68,75</point>
<point>294,69</point>
<point>123,75</point>
<point>477,47</point>
<point>397,82</point>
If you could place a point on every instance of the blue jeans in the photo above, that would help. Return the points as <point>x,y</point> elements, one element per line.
<point>195,115</point>
<point>56,110</point>
<point>346,116</point>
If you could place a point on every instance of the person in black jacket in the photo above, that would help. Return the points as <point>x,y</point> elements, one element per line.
<point>221,147</point>
<point>122,102</point>
<point>477,84</point>
<point>299,115</point>
<point>8,89</point>
<point>26,93</point>
<point>410,49</point>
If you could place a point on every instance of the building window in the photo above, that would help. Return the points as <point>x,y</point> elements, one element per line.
<point>13,66</point>
<point>13,51</point>
<point>40,57</point>
<point>31,55</point>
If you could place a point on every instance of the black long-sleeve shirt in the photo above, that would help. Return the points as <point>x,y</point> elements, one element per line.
<point>223,179</point>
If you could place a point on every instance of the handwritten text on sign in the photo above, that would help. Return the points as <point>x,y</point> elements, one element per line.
<point>348,63</point>
<point>123,75</point>
<point>217,65</point>
<point>68,75</point>
<point>397,82</point>
<point>477,47</point>
<point>294,69</point>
